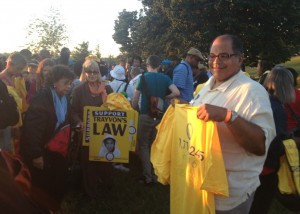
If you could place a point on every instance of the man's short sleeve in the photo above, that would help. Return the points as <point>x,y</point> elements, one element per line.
<point>180,74</point>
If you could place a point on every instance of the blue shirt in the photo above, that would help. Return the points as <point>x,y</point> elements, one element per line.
<point>183,79</point>
<point>157,85</point>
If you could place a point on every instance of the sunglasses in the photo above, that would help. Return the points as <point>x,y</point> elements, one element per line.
<point>92,72</point>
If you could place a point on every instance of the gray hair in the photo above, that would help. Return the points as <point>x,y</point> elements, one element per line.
<point>280,83</point>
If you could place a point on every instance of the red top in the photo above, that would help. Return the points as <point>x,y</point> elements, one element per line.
<point>292,123</point>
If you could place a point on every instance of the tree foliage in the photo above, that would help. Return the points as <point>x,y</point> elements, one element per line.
<point>97,52</point>
<point>123,30</point>
<point>47,33</point>
<point>269,28</point>
<point>81,51</point>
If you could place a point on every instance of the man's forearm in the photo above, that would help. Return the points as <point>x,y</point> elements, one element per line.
<point>250,136</point>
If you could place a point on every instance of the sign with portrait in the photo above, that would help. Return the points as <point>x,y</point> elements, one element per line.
<point>110,135</point>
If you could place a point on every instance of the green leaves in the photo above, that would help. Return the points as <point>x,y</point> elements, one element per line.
<point>269,28</point>
<point>48,32</point>
<point>81,51</point>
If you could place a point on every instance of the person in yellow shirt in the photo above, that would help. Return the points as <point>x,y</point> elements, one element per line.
<point>15,64</point>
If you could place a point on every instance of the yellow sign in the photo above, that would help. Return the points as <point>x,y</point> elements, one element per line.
<point>110,135</point>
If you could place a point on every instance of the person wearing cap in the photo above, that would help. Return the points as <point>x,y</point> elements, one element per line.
<point>119,83</point>
<point>241,110</point>
<point>164,65</point>
<point>183,74</point>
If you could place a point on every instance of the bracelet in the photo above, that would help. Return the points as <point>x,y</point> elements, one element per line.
<point>228,116</point>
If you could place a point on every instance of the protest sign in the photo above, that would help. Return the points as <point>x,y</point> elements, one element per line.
<point>110,135</point>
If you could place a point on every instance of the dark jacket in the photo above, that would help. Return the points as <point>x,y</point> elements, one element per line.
<point>9,114</point>
<point>39,125</point>
<point>276,147</point>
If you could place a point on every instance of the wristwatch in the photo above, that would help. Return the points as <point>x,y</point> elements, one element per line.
<point>234,115</point>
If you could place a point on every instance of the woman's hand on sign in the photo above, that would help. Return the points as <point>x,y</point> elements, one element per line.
<point>79,127</point>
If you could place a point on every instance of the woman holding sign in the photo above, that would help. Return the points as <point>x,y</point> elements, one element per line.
<point>92,92</point>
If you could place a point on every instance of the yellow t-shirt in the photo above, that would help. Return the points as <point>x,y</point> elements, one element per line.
<point>193,160</point>
<point>18,99</point>
<point>21,91</point>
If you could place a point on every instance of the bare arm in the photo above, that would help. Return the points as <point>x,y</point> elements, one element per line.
<point>174,92</point>
<point>248,135</point>
<point>135,101</point>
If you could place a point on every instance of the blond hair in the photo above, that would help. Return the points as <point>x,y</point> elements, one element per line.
<point>87,66</point>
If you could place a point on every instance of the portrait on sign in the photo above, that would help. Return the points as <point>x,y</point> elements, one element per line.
<point>110,135</point>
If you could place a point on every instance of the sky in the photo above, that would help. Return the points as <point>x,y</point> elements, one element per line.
<point>86,20</point>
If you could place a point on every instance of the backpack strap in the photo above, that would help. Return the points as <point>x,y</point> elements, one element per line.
<point>296,117</point>
<point>125,89</point>
<point>120,86</point>
<point>144,85</point>
<point>186,68</point>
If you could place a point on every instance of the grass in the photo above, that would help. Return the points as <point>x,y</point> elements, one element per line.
<point>293,63</point>
<point>126,197</point>
<point>129,197</point>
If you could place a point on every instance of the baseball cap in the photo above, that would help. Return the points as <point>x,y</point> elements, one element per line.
<point>195,52</point>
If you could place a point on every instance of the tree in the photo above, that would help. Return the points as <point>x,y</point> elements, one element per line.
<point>123,29</point>
<point>97,52</point>
<point>49,33</point>
<point>81,51</point>
<point>269,28</point>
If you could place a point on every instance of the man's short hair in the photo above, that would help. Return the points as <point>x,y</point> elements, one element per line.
<point>17,59</point>
<point>136,57</point>
<point>135,71</point>
<point>27,54</point>
<point>154,61</point>
<point>44,53</point>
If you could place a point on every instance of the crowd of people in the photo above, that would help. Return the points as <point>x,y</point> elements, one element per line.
<point>49,96</point>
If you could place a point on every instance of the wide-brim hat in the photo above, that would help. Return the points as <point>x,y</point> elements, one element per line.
<point>195,52</point>
<point>118,72</point>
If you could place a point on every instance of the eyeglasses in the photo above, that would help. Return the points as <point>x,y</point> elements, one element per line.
<point>92,72</point>
<point>221,56</point>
